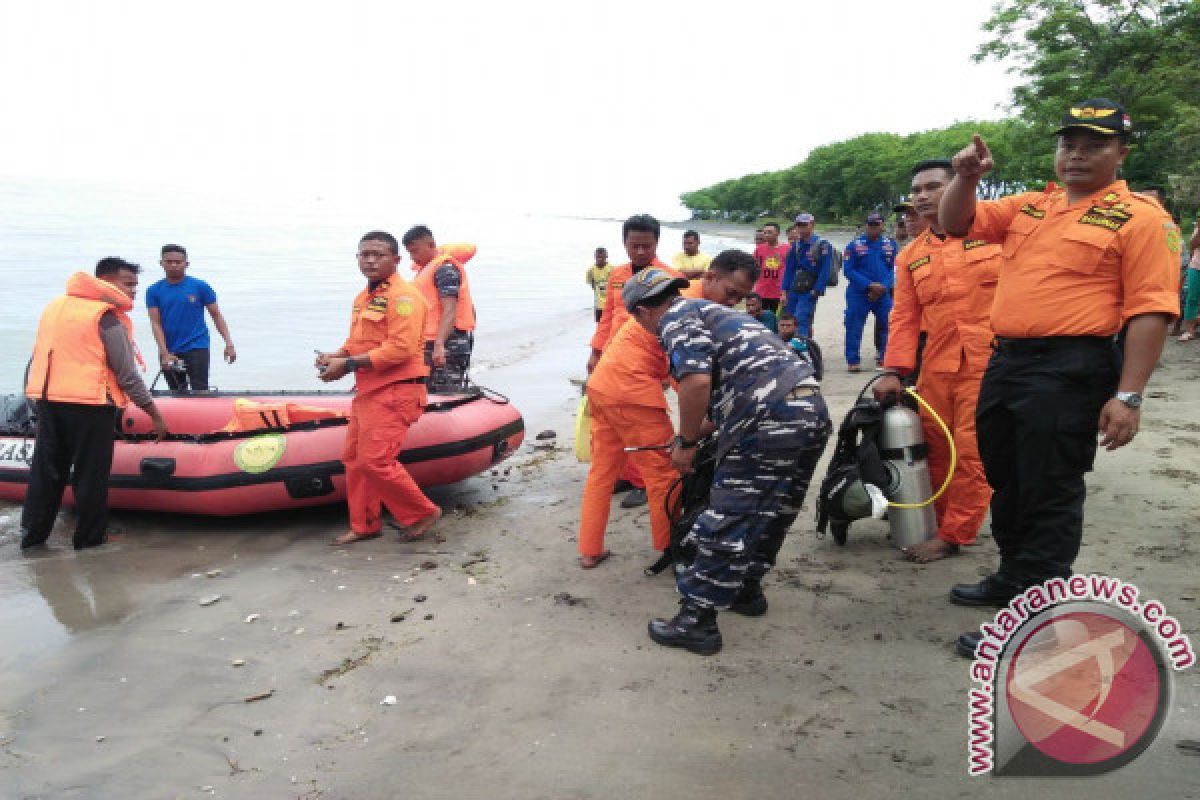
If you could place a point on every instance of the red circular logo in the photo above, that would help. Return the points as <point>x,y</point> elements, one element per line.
<point>1084,688</point>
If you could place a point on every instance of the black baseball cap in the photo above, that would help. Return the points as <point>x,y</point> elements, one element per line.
<point>1099,115</point>
<point>874,218</point>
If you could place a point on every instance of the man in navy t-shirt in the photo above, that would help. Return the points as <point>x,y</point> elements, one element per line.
<point>176,305</point>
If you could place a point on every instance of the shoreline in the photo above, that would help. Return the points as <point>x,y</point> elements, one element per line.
<point>516,674</point>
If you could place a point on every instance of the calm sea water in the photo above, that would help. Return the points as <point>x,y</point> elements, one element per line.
<point>284,270</point>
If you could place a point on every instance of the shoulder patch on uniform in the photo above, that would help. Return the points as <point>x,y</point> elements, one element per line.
<point>1033,211</point>
<point>920,262</point>
<point>404,306</point>
<point>1174,237</point>
<point>1111,218</point>
<point>971,244</point>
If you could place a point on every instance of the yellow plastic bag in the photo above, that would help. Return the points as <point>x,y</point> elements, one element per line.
<point>583,431</point>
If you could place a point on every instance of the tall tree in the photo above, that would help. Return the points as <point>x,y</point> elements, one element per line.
<point>1145,54</point>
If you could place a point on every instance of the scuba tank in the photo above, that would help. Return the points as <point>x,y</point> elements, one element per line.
<point>879,462</point>
<point>902,446</point>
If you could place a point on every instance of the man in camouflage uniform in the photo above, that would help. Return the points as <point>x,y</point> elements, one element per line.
<point>771,426</point>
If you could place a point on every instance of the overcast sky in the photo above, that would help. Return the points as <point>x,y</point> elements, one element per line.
<point>573,107</point>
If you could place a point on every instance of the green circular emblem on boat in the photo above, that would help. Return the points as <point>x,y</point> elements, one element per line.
<point>260,453</point>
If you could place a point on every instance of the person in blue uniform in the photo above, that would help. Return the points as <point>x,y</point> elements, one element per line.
<point>867,265</point>
<point>811,258</point>
<point>744,384</point>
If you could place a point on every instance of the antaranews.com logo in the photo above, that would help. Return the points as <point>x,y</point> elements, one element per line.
<point>1074,677</point>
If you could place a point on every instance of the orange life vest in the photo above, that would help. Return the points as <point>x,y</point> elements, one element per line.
<point>249,415</point>
<point>462,252</point>
<point>69,361</point>
<point>464,315</point>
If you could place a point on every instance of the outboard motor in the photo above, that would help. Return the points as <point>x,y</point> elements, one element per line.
<point>879,466</point>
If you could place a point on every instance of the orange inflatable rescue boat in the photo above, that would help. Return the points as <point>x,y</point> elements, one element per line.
<point>233,453</point>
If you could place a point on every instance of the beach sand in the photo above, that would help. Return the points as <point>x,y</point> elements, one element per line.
<point>516,674</point>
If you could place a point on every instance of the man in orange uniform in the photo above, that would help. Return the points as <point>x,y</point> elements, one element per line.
<point>945,285</point>
<point>450,321</point>
<point>629,408</point>
<point>1082,263</point>
<point>640,235</point>
<point>84,369</point>
<point>385,353</point>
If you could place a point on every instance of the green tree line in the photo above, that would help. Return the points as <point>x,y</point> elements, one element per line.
<point>1144,54</point>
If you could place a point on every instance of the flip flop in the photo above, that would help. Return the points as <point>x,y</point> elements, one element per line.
<point>591,562</point>
<point>350,537</point>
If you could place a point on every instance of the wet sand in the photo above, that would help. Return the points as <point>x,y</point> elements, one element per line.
<point>518,675</point>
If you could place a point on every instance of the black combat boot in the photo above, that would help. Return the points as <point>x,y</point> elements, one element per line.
<point>750,600</point>
<point>694,628</point>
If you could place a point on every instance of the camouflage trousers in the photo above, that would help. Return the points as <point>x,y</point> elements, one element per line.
<point>756,496</point>
<point>453,376</point>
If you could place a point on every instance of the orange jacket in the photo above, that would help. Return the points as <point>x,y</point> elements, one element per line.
<point>250,415</point>
<point>69,363</point>
<point>614,315</point>
<point>386,324</point>
<point>1083,268</point>
<point>944,287</point>
<point>464,314</point>
<point>632,369</point>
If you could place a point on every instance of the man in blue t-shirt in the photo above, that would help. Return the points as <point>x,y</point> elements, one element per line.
<point>176,305</point>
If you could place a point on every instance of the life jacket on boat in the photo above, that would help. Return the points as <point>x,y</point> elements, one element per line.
<point>462,252</point>
<point>69,361</point>
<point>249,415</point>
<point>456,254</point>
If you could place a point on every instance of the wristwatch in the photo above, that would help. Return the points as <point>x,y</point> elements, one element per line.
<point>685,444</point>
<point>1131,399</point>
<point>351,364</point>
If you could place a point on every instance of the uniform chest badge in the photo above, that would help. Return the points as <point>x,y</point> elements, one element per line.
<point>404,307</point>
<point>1109,218</point>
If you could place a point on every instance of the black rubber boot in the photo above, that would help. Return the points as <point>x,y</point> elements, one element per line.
<point>693,628</point>
<point>750,600</point>
<point>968,643</point>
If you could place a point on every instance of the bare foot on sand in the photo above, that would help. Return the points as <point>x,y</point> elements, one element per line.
<point>350,537</point>
<point>591,562</point>
<point>421,527</point>
<point>933,550</point>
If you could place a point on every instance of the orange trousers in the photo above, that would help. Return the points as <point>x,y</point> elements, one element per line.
<point>630,473</point>
<point>616,426</point>
<point>379,421</point>
<point>963,506</point>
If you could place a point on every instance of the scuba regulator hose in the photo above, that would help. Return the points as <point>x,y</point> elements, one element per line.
<point>953,454</point>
